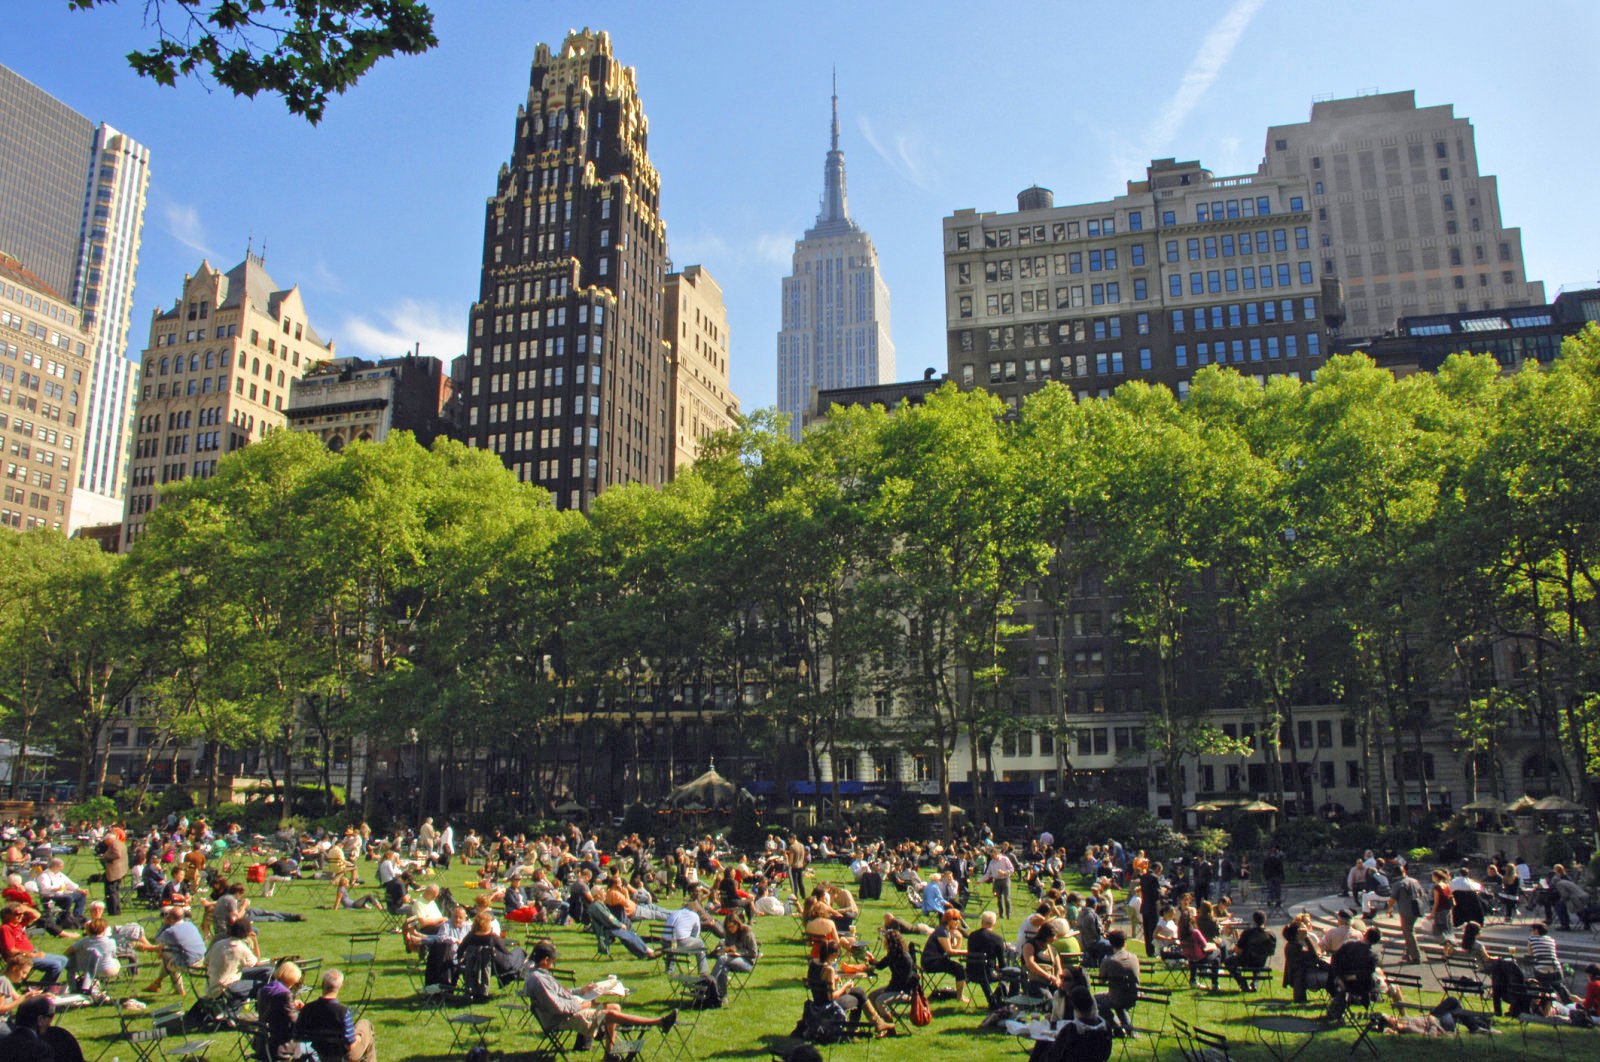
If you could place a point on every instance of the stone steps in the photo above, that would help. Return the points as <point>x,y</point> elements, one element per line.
<point>1577,947</point>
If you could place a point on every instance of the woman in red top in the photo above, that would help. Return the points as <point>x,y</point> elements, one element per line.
<point>1591,997</point>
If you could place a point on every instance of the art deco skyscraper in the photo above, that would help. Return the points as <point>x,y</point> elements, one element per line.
<point>72,198</point>
<point>1402,213</point>
<point>835,303</point>
<point>567,374</point>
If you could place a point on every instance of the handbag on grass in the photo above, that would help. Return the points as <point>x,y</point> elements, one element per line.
<point>921,1013</point>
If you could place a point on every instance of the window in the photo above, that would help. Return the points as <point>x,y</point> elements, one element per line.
<point>1144,359</point>
<point>1141,290</point>
<point>1135,221</point>
<point>1169,217</point>
<point>1296,203</point>
<point>1306,275</point>
<point>1175,285</point>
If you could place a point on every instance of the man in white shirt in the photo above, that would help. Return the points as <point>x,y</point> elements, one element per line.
<point>680,935</point>
<point>557,1006</point>
<point>56,887</point>
<point>998,873</point>
<point>446,845</point>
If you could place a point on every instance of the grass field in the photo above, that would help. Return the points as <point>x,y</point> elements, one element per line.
<point>748,1027</point>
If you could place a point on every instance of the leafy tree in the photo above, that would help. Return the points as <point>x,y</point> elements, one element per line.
<point>949,498</point>
<point>301,50</point>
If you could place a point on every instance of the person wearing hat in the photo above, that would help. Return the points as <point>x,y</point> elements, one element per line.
<point>1338,933</point>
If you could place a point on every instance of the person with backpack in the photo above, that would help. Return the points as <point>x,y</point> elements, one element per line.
<point>1408,901</point>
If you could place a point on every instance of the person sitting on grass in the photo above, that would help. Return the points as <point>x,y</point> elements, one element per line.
<point>560,1008</point>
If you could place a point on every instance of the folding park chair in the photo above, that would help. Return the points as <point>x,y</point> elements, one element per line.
<point>1391,953</point>
<point>1160,999</point>
<point>1207,1045</point>
<point>1527,1020</point>
<point>147,1042</point>
<point>390,920</point>
<point>1406,982</point>
<point>1174,967</point>
<point>363,948</point>
<point>1259,982</point>
<point>675,1042</point>
<point>932,980</point>
<point>1360,1004</point>
<point>556,1041</point>
<point>603,940</point>
<point>466,1027</point>
<point>738,981</point>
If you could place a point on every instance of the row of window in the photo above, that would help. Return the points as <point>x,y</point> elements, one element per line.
<point>39,304</point>
<point>1265,241</point>
<point>1242,314</point>
<point>1256,348</point>
<point>1055,232</point>
<point>1247,278</point>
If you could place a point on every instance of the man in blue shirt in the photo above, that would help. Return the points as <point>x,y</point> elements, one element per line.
<point>933,901</point>
<point>180,945</point>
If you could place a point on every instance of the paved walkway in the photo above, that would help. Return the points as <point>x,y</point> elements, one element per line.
<point>1577,947</point>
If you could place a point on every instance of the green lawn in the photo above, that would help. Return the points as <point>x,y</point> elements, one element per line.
<point>765,1014</point>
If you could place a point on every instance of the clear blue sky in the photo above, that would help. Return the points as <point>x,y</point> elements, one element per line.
<point>378,212</point>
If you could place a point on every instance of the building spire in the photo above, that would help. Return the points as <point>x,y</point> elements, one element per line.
<point>835,207</point>
<point>834,143</point>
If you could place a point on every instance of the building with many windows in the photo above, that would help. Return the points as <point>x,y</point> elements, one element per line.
<point>1183,271</point>
<point>835,304</point>
<point>350,400</point>
<point>703,402</point>
<point>568,376</point>
<point>45,363</point>
<point>1514,335</point>
<point>216,377</point>
<point>72,199</point>
<point>1401,212</point>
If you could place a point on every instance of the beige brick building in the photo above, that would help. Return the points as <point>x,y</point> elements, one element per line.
<point>697,329</point>
<point>216,377</point>
<point>45,369</point>
<point>1401,212</point>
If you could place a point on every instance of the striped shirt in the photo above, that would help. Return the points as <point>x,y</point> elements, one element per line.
<point>1542,949</point>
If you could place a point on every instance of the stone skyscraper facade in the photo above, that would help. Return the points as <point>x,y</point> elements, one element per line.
<point>1401,212</point>
<point>568,375</point>
<point>703,401</point>
<point>835,303</point>
<point>72,199</point>
<point>216,377</point>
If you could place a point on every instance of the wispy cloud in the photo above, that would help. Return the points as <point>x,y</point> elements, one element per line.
<point>1213,54</point>
<point>1215,51</point>
<point>900,152</point>
<point>394,330</point>
<point>183,224</point>
<point>326,281</point>
<point>775,248</point>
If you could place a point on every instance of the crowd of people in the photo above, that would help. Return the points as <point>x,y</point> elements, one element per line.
<point>1073,968</point>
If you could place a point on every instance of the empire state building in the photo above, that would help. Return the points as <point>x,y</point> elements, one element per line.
<point>835,303</point>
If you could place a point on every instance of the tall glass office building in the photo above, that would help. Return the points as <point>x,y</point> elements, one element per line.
<point>72,198</point>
